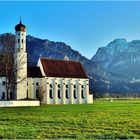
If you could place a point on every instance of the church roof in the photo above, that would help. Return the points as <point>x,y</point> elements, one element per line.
<point>63,68</point>
<point>34,72</point>
<point>20,27</point>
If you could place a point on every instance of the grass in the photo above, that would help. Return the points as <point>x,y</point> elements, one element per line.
<point>100,120</point>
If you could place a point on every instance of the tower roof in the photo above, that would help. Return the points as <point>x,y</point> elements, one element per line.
<point>20,27</point>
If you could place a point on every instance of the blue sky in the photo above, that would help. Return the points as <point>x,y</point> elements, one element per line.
<point>85,26</point>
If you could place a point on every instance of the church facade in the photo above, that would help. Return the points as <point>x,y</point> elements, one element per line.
<point>52,81</point>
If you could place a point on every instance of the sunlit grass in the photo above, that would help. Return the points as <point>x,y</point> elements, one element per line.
<point>102,119</point>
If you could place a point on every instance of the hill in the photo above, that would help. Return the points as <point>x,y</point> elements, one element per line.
<point>110,69</point>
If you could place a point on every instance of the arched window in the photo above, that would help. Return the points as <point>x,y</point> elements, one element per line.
<point>74,92</point>
<point>67,86</point>
<point>37,84</point>
<point>67,94</point>
<point>18,40</point>
<point>50,85</point>
<point>82,93</point>
<point>22,41</point>
<point>3,82</point>
<point>74,86</point>
<point>59,94</point>
<point>27,94</point>
<point>58,85</point>
<point>3,95</point>
<point>11,95</point>
<point>37,93</point>
<point>51,94</point>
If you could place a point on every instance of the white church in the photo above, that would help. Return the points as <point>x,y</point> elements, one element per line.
<point>55,81</point>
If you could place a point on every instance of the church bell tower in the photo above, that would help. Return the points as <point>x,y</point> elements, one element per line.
<point>21,61</point>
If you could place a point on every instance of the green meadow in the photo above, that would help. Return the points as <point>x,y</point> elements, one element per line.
<point>100,120</point>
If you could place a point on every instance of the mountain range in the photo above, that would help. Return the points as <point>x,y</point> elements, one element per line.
<point>113,70</point>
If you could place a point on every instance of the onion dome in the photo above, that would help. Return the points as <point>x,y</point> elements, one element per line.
<point>20,27</point>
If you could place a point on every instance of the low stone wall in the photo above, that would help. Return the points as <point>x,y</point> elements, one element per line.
<point>19,103</point>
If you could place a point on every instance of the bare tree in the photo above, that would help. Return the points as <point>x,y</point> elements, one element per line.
<point>9,68</point>
<point>40,93</point>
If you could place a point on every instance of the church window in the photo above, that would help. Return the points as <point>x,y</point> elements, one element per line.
<point>74,92</point>
<point>18,40</point>
<point>67,95</point>
<point>59,94</point>
<point>58,85</point>
<point>37,84</point>
<point>50,85</point>
<point>22,40</point>
<point>82,93</point>
<point>3,95</point>
<point>37,94</point>
<point>11,95</point>
<point>82,86</point>
<point>3,82</point>
<point>67,86</point>
<point>51,94</point>
<point>27,94</point>
<point>74,86</point>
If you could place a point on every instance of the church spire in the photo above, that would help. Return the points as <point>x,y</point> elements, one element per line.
<point>20,20</point>
<point>20,26</point>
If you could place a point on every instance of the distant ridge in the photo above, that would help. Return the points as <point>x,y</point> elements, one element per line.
<point>110,70</point>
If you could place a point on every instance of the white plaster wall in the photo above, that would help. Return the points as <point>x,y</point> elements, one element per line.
<point>51,83</point>
<point>80,84</point>
<point>21,62</point>
<point>32,86</point>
